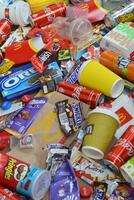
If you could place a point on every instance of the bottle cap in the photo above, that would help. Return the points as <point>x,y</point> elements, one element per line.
<point>85,191</point>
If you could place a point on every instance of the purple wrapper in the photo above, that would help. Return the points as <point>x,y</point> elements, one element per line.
<point>24,119</point>
<point>65,185</point>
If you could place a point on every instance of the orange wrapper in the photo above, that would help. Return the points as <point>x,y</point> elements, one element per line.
<point>121,66</point>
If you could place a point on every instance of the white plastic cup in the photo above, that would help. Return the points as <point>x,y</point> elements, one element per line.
<point>19,13</point>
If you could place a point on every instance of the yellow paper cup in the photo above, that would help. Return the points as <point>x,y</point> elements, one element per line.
<point>103,124</point>
<point>94,75</point>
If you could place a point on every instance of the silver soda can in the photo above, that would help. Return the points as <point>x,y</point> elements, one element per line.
<point>124,13</point>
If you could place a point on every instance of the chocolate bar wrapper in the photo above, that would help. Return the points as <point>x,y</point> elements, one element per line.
<point>24,119</point>
<point>54,71</point>
<point>88,170</point>
<point>70,116</point>
<point>72,77</point>
<point>100,190</point>
<point>5,120</point>
<point>18,81</point>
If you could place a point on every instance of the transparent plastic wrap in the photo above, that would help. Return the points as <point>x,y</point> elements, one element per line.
<point>78,30</point>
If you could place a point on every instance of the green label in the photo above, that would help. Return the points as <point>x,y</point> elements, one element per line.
<point>129,31</point>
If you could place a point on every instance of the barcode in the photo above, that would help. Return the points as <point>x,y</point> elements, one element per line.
<point>63,118</point>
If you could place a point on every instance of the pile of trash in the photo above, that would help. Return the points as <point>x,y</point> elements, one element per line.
<point>66,100</point>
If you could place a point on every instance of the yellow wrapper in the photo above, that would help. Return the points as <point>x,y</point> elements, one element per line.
<point>94,75</point>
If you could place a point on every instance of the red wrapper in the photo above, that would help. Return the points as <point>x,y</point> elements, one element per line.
<point>46,16</point>
<point>88,96</point>
<point>123,150</point>
<point>5,29</point>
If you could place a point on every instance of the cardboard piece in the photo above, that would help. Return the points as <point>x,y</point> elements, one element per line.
<point>45,129</point>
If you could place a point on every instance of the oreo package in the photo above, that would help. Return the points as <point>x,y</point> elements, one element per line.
<point>19,81</point>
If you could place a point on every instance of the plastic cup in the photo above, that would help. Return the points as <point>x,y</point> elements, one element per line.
<point>78,30</point>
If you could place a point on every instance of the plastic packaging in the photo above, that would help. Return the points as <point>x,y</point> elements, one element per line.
<point>78,30</point>
<point>19,13</point>
<point>125,13</point>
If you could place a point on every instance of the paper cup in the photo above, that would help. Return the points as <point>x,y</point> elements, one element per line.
<point>94,75</point>
<point>103,124</point>
<point>127,171</point>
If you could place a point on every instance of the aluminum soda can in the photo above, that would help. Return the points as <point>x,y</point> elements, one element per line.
<point>122,151</point>
<point>5,29</point>
<point>125,13</point>
<point>46,16</point>
<point>21,177</point>
<point>88,96</point>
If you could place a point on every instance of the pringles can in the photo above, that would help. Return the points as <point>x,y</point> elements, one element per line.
<point>5,29</point>
<point>91,97</point>
<point>123,14</point>
<point>102,124</point>
<point>46,16</point>
<point>122,151</point>
<point>118,64</point>
<point>21,177</point>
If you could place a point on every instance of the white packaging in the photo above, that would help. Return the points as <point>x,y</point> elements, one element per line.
<point>120,40</point>
<point>123,106</point>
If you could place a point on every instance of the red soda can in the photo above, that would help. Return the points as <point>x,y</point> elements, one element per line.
<point>46,16</point>
<point>23,178</point>
<point>5,29</point>
<point>122,151</point>
<point>6,194</point>
<point>88,96</point>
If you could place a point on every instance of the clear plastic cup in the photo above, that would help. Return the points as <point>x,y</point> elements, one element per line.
<point>78,30</point>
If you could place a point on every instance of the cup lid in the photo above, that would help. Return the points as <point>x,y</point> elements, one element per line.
<point>41,185</point>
